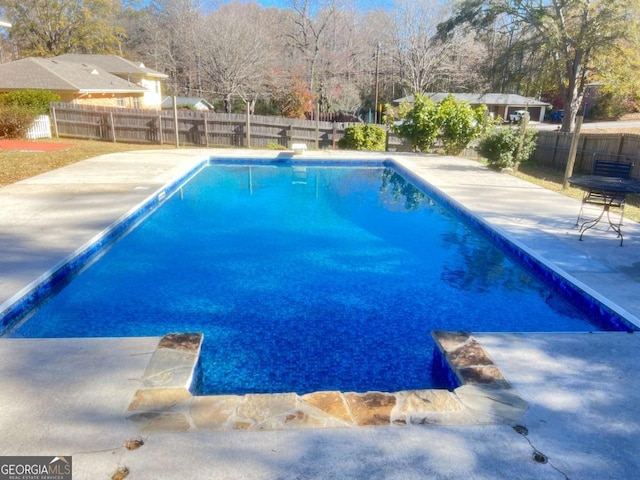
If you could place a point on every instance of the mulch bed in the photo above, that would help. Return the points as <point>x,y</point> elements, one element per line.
<point>31,146</point>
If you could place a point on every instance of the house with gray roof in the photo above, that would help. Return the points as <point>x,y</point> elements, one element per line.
<point>84,82</point>
<point>133,72</point>
<point>499,104</point>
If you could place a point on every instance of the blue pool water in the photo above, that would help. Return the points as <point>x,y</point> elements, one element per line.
<point>304,279</point>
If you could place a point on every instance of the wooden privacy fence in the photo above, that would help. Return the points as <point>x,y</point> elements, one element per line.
<point>552,150</point>
<point>186,127</point>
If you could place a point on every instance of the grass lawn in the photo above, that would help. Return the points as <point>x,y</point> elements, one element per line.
<point>18,165</point>
<point>552,180</point>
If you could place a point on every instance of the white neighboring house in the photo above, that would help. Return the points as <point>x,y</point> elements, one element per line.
<point>196,103</point>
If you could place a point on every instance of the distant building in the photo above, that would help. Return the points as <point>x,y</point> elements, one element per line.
<point>187,102</point>
<point>105,80</point>
<point>499,104</point>
<point>133,72</point>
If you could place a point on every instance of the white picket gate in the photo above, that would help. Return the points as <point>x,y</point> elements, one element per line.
<point>41,128</point>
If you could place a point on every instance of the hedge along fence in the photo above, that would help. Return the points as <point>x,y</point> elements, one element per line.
<point>552,150</point>
<point>187,127</point>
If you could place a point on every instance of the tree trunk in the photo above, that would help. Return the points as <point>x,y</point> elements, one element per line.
<point>227,103</point>
<point>572,94</point>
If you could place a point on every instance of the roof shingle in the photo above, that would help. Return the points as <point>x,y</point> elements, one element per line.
<point>57,75</point>
<point>112,64</point>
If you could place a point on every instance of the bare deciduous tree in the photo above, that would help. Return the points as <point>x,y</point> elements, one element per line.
<point>235,52</point>
<point>462,69</point>
<point>311,21</point>
<point>428,63</point>
<point>422,57</point>
<point>165,35</point>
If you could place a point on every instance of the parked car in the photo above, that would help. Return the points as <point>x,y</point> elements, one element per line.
<point>516,116</point>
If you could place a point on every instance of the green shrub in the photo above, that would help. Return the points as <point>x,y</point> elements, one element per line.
<point>16,120</point>
<point>499,147</point>
<point>37,100</point>
<point>363,137</point>
<point>460,124</point>
<point>454,123</point>
<point>420,123</point>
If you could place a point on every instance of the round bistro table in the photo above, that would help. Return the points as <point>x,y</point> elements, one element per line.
<point>610,191</point>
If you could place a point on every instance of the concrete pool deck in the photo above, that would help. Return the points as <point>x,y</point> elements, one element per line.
<point>72,396</point>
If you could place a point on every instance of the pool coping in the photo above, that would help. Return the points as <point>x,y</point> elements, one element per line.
<point>71,396</point>
<point>166,404</point>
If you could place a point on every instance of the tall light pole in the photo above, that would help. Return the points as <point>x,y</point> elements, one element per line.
<point>375,116</point>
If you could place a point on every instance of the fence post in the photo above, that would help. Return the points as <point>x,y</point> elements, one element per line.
<point>582,149</point>
<point>175,120</point>
<point>386,140</point>
<point>317,126</point>
<point>160,130</point>
<point>113,127</point>
<point>206,129</point>
<point>334,133</point>
<point>55,121</point>
<point>248,129</point>
<point>523,133</point>
<point>621,144</point>
<point>555,149</point>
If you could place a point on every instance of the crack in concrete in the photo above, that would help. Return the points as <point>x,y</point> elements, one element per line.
<point>537,455</point>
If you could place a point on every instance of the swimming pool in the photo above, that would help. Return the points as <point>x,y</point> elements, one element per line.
<point>304,278</point>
